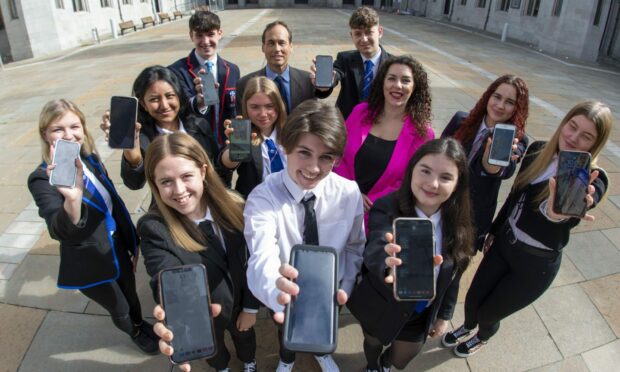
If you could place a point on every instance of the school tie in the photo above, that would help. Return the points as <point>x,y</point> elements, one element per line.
<point>477,143</point>
<point>420,306</point>
<point>213,241</point>
<point>311,234</point>
<point>279,80</point>
<point>368,65</point>
<point>209,66</point>
<point>275,162</point>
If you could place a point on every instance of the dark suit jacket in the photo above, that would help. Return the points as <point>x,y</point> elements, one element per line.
<point>249,174</point>
<point>87,257</point>
<point>372,301</point>
<point>198,128</point>
<point>349,68</point>
<point>227,76</point>
<point>226,276</point>
<point>301,86</point>
<point>483,187</point>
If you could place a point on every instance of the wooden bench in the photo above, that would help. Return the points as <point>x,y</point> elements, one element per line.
<point>127,25</point>
<point>177,14</point>
<point>147,20</point>
<point>163,16</point>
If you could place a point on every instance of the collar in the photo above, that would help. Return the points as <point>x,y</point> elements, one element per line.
<point>483,126</point>
<point>272,75</point>
<point>374,59</point>
<point>161,130</point>
<point>202,61</point>
<point>435,218</point>
<point>297,192</point>
<point>208,217</point>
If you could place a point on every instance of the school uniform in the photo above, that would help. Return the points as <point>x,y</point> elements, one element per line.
<point>227,76</point>
<point>483,187</point>
<point>225,259</point>
<point>372,301</point>
<point>526,254</point>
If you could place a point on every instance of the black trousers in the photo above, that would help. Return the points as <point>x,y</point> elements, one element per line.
<point>245,344</point>
<point>511,276</point>
<point>119,297</point>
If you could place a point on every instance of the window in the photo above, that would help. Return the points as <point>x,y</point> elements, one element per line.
<point>60,4</point>
<point>79,6</point>
<point>503,5</point>
<point>557,8</point>
<point>106,3</point>
<point>464,2</point>
<point>597,15</point>
<point>127,2</point>
<point>13,9</point>
<point>482,4</point>
<point>532,8</point>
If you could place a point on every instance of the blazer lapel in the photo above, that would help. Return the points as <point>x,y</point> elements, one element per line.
<point>257,159</point>
<point>221,76</point>
<point>295,86</point>
<point>357,65</point>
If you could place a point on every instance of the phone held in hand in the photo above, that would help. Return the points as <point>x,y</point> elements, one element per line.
<point>123,117</point>
<point>240,140</point>
<point>324,71</point>
<point>208,88</point>
<point>572,180</point>
<point>311,318</point>
<point>65,171</point>
<point>414,280</point>
<point>184,295</point>
<point>501,147</point>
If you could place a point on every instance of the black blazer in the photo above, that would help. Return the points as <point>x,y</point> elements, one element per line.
<point>228,74</point>
<point>197,127</point>
<point>226,276</point>
<point>249,174</point>
<point>87,258</point>
<point>349,68</point>
<point>301,86</point>
<point>372,301</point>
<point>483,187</point>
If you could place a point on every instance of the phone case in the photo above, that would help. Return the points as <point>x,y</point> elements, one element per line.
<point>311,319</point>
<point>181,356</point>
<point>240,146</point>
<point>208,89</point>
<point>572,180</point>
<point>123,118</point>
<point>427,294</point>
<point>501,149</point>
<point>65,153</point>
<point>324,71</point>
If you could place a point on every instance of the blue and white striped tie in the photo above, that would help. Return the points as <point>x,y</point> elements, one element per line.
<point>368,76</point>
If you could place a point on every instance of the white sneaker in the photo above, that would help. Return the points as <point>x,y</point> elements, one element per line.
<point>327,363</point>
<point>284,367</point>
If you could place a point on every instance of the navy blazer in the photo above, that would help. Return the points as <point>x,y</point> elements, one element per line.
<point>227,76</point>
<point>483,187</point>
<point>372,301</point>
<point>88,256</point>
<point>226,276</point>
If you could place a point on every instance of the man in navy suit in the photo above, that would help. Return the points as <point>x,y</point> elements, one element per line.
<point>205,33</point>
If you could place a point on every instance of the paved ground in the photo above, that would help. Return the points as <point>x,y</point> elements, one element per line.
<point>574,327</point>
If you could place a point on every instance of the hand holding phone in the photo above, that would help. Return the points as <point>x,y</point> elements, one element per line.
<point>123,118</point>
<point>501,147</point>
<point>208,88</point>
<point>65,171</point>
<point>240,140</point>
<point>324,71</point>
<point>572,181</point>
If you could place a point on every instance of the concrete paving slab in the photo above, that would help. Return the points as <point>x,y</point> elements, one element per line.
<point>89,343</point>
<point>573,364</point>
<point>29,216</point>
<point>21,324</point>
<point>568,273</point>
<point>604,294</point>
<point>613,235</point>
<point>605,358</point>
<point>6,219</point>
<point>12,255</point>
<point>28,228</point>
<point>615,199</point>
<point>18,240</point>
<point>572,320</point>
<point>434,357</point>
<point>34,285</point>
<point>46,246</point>
<point>7,270</point>
<point>593,254</point>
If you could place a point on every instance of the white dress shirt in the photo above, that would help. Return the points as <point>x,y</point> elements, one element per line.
<point>274,223</point>
<point>375,62</point>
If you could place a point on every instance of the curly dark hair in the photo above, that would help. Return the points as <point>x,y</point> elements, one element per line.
<point>468,129</point>
<point>419,104</point>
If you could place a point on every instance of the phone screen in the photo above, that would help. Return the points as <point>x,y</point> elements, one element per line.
<point>240,140</point>
<point>64,173</point>
<point>123,117</point>
<point>324,68</point>
<point>415,278</point>
<point>501,147</point>
<point>185,297</point>
<point>311,320</point>
<point>572,180</point>
<point>208,89</point>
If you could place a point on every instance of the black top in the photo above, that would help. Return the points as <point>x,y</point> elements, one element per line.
<point>371,160</point>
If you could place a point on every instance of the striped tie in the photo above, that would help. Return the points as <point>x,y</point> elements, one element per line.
<point>367,78</point>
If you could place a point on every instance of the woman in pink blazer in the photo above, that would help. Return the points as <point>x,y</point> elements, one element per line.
<point>384,133</point>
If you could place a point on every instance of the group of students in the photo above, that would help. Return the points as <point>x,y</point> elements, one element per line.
<point>315,179</point>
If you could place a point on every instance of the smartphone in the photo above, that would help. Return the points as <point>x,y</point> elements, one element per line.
<point>184,295</point>
<point>414,280</point>
<point>123,117</point>
<point>501,147</point>
<point>208,89</point>
<point>572,180</point>
<point>240,140</point>
<point>311,318</point>
<point>64,173</point>
<point>324,71</point>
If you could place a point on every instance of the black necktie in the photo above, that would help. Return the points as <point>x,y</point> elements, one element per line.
<point>213,240</point>
<point>311,234</point>
<point>279,80</point>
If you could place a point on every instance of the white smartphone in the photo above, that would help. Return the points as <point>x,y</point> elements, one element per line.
<point>501,147</point>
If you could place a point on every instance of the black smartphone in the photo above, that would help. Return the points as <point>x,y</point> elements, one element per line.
<point>240,140</point>
<point>414,280</point>
<point>324,71</point>
<point>123,117</point>
<point>208,89</point>
<point>64,173</point>
<point>184,295</point>
<point>501,147</point>
<point>311,319</point>
<point>572,180</point>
